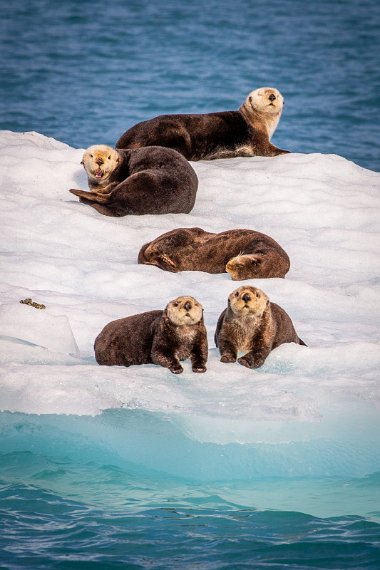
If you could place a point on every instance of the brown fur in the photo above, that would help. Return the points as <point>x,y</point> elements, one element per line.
<point>227,134</point>
<point>253,325</point>
<point>159,337</point>
<point>244,254</point>
<point>151,180</point>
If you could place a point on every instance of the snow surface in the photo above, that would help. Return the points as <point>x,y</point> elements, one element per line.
<point>324,211</point>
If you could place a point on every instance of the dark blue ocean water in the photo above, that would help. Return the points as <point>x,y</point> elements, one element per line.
<point>72,497</point>
<point>129,489</point>
<point>84,71</point>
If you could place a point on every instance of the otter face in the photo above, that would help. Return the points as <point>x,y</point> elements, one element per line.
<point>243,267</point>
<point>248,301</point>
<point>266,100</point>
<point>100,161</point>
<point>153,256</point>
<point>184,311</point>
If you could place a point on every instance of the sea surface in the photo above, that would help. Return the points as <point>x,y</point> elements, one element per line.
<point>85,71</point>
<point>127,488</point>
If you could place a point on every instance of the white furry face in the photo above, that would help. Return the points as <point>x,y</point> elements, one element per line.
<point>266,100</point>
<point>247,300</point>
<point>99,162</point>
<point>184,311</point>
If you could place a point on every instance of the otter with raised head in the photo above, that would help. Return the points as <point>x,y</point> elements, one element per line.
<point>151,180</point>
<point>244,254</point>
<point>254,326</point>
<point>227,134</point>
<point>158,337</point>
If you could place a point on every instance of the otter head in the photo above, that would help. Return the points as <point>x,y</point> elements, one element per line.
<point>243,267</point>
<point>150,254</point>
<point>266,100</point>
<point>248,300</point>
<point>266,103</point>
<point>100,161</point>
<point>184,311</point>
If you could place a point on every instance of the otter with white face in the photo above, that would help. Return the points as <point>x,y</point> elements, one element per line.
<point>253,326</point>
<point>224,134</point>
<point>100,162</point>
<point>184,311</point>
<point>159,337</point>
<point>244,254</point>
<point>264,107</point>
<point>151,180</point>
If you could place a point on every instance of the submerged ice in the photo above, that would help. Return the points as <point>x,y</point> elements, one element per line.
<point>305,403</point>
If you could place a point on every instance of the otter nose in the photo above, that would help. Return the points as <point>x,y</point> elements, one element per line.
<point>187,306</point>
<point>272,97</point>
<point>246,298</point>
<point>99,160</point>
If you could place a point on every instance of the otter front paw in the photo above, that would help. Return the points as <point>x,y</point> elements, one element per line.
<point>176,369</point>
<point>251,362</point>
<point>247,361</point>
<point>228,358</point>
<point>199,368</point>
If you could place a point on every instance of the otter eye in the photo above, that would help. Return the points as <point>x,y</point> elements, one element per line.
<point>91,155</point>
<point>175,304</point>
<point>109,158</point>
<point>237,294</point>
<point>258,295</point>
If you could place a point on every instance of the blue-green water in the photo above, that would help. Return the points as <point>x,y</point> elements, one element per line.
<point>130,489</point>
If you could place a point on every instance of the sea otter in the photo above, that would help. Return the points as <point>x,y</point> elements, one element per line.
<point>252,325</point>
<point>225,134</point>
<point>158,337</point>
<point>151,180</point>
<point>244,254</point>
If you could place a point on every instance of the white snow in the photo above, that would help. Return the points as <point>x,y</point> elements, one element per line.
<point>324,211</point>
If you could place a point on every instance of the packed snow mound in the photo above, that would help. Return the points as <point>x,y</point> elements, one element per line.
<point>25,323</point>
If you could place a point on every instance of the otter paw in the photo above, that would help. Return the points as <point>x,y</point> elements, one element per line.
<point>246,361</point>
<point>228,358</point>
<point>176,369</point>
<point>199,368</point>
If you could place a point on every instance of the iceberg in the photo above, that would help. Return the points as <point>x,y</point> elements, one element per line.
<point>309,410</point>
